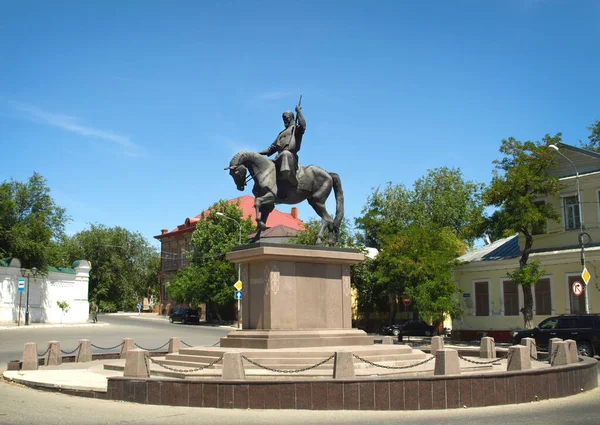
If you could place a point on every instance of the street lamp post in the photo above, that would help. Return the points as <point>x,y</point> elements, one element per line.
<point>239,223</point>
<point>34,272</point>
<point>581,226</point>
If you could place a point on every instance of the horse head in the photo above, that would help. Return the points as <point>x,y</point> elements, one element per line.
<point>238,172</point>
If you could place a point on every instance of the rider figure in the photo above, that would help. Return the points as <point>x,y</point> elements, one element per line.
<point>287,145</point>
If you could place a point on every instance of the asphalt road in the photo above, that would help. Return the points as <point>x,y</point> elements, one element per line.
<point>147,331</point>
<point>22,405</point>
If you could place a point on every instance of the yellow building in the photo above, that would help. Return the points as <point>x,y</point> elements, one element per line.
<point>492,303</point>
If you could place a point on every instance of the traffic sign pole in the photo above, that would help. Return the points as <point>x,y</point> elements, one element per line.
<point>19,316</point>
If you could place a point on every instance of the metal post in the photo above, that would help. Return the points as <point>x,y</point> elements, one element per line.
<point>581,226</point>
<point>27,302</point>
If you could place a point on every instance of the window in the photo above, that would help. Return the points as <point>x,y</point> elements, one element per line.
<point>549,323</point>
<point>571,208</point>
<point>182,257</point>
<point>577,302</point>
<point>482,299</point>
<point>511,298</point>
<point>175,260</point>
<point>543,305</point>
<point>166,263</point>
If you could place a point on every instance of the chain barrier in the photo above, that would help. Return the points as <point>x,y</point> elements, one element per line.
<point>71,352</point>
<point>152,349</point>
<point>553,357</point>
<point>45,352</point>
<point>488,362</point>
<point>393,367</point>
<point>172,369</point>
<point>107,348</point>
<point>304,369</point>
<point>186,344</point>
<point>217,343</point>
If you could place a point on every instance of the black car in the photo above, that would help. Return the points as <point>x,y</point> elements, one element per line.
<point>411,327</point>
<point>185,315</point>
<point>584,329</point>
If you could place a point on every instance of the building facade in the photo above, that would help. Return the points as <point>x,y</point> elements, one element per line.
<point>175,243</point>
<point>492,303</point>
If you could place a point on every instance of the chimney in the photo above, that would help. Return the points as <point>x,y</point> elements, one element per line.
<point>295,212</point>
<point>163,231</point>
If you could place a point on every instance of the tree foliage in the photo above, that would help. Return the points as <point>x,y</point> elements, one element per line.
<point>124,265</point>
<point>419,232</point>
<point>520,180</point>
<point>211,276</point>
<point>31,223</point>
<point>594,138</point>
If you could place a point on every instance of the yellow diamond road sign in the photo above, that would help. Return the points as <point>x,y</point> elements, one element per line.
<point>585,275</point>
<point>238,285</point>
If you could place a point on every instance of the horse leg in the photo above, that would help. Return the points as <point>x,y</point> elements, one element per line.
<point>326,220</point>
<point>263,205</point>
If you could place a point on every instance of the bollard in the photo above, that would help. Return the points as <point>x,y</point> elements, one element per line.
<point>437,343</point>
<point>54,356</point>
<point>446,362</point>
<point>128,345</point>
<point>560,354</point>
<point>136,364</point>
<point>174,345</point>
<point>530,343</point>
<point>387,340</point>
<point>551,346</point>
<point>233,368</point>
<point>487,349</point>
<point>30,359</point>
<point>343,365</point>
<point>84,353</point>
<point>518,358</point>
<point>572,350</point>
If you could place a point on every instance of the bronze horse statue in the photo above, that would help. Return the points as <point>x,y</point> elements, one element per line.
<point>314,185</point>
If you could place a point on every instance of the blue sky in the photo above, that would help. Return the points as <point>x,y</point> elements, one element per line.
<point>131,109</point>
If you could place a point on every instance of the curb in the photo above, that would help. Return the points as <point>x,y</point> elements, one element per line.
<point>43,326</point>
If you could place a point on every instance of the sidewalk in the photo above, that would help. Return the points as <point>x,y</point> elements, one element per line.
<point>13,326</point>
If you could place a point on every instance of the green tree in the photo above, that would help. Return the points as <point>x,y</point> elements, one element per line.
<point>440,203</point>
<point>30,222</point>
<point>594,138</point>
<point>519,181</point>
<point>124,265</point>
<point>418,261</point>
<point>211,276</point>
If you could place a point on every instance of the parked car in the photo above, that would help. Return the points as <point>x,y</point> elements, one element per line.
<point>392,329</point>
<point>584,329</point>
<point>416,327</point>
<point>185,315</point>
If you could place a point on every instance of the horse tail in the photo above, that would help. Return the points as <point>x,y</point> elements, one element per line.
<point>339,201</point>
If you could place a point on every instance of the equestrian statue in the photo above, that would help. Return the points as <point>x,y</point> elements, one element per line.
<point>283,181</point>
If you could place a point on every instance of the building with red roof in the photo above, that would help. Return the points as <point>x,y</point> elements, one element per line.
<point>175,243</point>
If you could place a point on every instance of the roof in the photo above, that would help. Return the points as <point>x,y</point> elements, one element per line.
<point>279,231</point>
<point>501,249</point>
<point>276,218</point>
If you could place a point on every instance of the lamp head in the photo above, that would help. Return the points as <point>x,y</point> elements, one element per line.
<point>23,271</point>
<point>553,147</point>
<point>34,270</point>
<point>220,213</point>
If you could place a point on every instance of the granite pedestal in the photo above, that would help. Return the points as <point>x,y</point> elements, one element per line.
<point>295,296</point>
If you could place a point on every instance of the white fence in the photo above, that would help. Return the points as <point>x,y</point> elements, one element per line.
<point>70,285</point>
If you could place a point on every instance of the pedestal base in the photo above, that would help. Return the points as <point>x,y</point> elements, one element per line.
<point>295,338</point>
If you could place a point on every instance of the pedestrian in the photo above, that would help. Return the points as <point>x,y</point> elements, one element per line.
<point>139,307</point>
<point>94,312</point>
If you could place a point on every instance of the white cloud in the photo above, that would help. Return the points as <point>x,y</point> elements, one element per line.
<point>70,124</point>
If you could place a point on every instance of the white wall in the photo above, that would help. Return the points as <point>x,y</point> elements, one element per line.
<point>44,292</point>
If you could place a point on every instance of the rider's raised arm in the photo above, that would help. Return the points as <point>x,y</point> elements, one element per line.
<point>301,121</point>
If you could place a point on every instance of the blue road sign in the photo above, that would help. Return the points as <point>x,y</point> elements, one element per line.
<point>21,286</point>
<point>238,295</point>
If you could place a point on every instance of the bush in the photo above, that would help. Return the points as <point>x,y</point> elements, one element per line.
<point>107,306</point>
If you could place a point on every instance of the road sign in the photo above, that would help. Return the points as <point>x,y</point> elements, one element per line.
<point>585,275</point>
<point>238,285</point>
<point>407,301</point>
<point>238,295</point>
<point>577,288</point>
<point>21,286</point>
